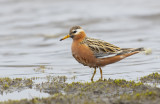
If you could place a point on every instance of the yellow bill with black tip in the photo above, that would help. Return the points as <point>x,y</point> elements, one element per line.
<point>67,36</point>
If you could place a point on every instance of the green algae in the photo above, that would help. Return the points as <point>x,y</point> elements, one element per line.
<point>151,78</point>
<point>9,85</point>
<point>142,97</point>
<point>58,99</point>
<point>107,91</point>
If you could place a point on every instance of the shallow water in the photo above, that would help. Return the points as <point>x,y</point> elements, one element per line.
<point>28,93</point>
<point>30,31</point>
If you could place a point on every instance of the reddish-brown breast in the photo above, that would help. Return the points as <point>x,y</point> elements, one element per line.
<point>83,54</point>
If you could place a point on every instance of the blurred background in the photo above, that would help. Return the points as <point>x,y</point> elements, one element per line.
<point>30,31</point>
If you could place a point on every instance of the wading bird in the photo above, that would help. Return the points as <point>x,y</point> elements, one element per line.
<point>96,53</point>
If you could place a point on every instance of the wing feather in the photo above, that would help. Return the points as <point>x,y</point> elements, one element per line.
<point>101,48</point>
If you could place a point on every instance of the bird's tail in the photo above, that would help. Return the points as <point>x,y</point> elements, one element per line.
<point>130,50</point>
<point>126,52</point>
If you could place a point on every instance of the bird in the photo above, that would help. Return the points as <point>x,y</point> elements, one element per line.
<point>96,53</point>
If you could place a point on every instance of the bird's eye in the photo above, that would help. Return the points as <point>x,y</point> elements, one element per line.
<point>74,31</point>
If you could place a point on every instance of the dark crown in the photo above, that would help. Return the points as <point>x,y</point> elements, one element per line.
<point>74,28</point>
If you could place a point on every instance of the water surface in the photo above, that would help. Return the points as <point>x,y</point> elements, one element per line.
<point>30,31</point>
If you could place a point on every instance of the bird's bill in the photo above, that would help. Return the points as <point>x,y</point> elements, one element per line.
<point>67,36</point>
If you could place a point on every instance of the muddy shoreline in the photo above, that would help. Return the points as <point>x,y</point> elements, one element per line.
<point>110,91</point>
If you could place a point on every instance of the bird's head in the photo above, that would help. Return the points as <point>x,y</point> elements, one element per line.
<point>76,32</point>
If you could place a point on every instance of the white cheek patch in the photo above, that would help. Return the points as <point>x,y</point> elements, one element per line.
<point>78,31</point>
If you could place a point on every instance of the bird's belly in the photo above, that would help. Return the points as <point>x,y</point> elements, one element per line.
<point>81,60</point>
<point>84,56</point>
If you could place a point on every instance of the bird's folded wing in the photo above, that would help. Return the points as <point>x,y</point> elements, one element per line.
<point>101,52</point>
<point>101,48</point>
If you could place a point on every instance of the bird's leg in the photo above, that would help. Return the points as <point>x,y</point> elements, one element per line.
<point>93,74</point>
<point>101,72</point>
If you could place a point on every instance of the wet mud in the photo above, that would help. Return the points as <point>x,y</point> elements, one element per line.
<point>110,91</point>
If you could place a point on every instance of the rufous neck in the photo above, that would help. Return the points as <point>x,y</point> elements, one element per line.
<point>79,37</point>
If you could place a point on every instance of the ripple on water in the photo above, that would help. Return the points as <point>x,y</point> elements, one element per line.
<point>30,32</point>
